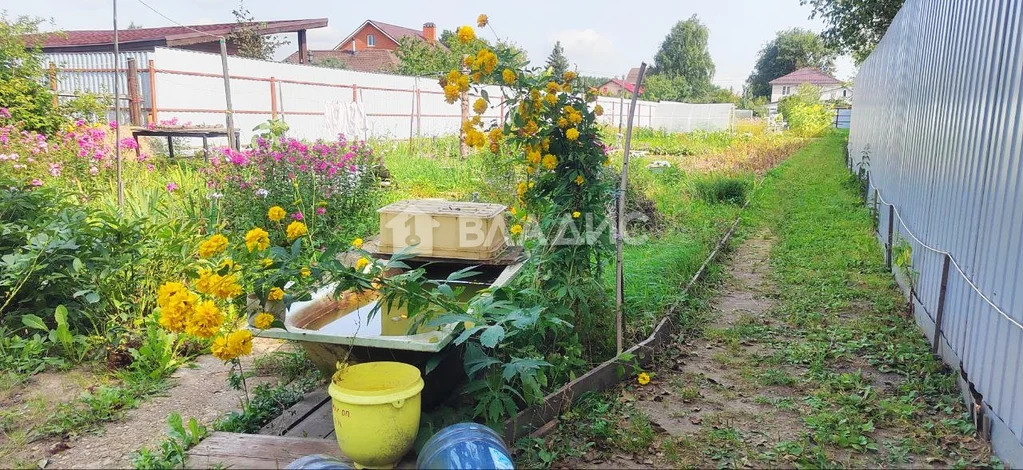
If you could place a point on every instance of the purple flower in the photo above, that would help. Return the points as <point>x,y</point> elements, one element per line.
<point>55,169</point>
<point>321,210</point>
<point>297,216</point>
<point>129,143</point>
<point>113,125</point>
<point>4,112</point>
<point>172,186</point>
<point>37,182</point>
<point>93,171</point>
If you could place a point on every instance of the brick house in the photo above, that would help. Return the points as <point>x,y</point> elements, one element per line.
<point>617,86</point>
<point>370,48</point>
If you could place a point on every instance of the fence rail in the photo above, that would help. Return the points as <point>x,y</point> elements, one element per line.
<point>188,85</point>
<point>939,124</point>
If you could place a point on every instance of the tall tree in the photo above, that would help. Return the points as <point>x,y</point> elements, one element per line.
<point>248,39</point>
<point>789,50</point>
<point>557,61</point>
<point>854,27</point>
<point>417,57</point>
<point>684,53</point>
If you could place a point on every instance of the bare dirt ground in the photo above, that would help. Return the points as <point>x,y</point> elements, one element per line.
<point>199,390</point>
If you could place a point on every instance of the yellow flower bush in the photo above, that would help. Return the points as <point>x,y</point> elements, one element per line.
<point>213,246</point>
<point>296,229</point>
<point>263,321</point>
<point>276,214</point>
<point>465,34</point>
<point>257,239</point>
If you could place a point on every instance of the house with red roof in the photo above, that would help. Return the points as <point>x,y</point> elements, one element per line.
<point>370,47</point>
<point>200,37</point>
<point>617,86</point>
<point>830,87</point>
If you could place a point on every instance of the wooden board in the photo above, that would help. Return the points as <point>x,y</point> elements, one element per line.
<point>314,402</point>
<point>233,450</point>
<point>511,255</point>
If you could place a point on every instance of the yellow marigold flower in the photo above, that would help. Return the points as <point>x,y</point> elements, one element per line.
<point>276,213</point>
<point>598,110</point>
<point>533,156</point>
<point>572,134</point>
<point>213,246</point>
<point>267,262</point>
<point>257,239</point>
<point>361,264</point>
<point>562,122</point>
<point>508,75</point>
<point>531,127</point>
<point>205,321</point>
<point>305,272</point>
<point>516,229</point>
<point>169,292</point>
<point>553,87</point>
<point>465,34</point>
<point>569,76</point>
<point>575,118</point>
<point>576,214</point>
<point>219,349</point>
<point>551,99</point>
<point>546,144</point>
<point>480,106</point>
<point>451,93</point>
<point>512,210</point>
<point>227,288</point>
<point>357,243</point>
<point>482,20</point>
<point>521,188</point>
<point>496,134</point>
<point>206,281</point>
<point>469,61</point>
<point>579,180</point>
<point>239,343</point>
<point>485,61</point>
<point>475,139</point>
<point>296,229</point>
<point>550,161</point>
<point>176,304</point>
<point>229,264</point>
<point>275,294</point>
<point>263,321</point>
<point>643,378</point>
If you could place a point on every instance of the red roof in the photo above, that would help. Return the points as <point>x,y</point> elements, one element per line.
<point>629,87</point>
<point>394,32</point>
<point>806,75</point>
<point>165,36</point>
<point>369,60</point>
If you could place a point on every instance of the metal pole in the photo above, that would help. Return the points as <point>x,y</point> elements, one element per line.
<point>888,249</point>
<point>227,93</point>
<point>941,304</point>
<point>117,112</point>
<point>619,269</point>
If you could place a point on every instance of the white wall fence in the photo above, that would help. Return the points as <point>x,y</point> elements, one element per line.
<point>319,102</point>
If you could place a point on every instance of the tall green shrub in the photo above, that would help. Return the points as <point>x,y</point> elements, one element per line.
<point>804,112</point>
<point>22,92</point>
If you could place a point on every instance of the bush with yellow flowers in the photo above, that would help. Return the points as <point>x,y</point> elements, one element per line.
<point>565,189</point>
<point>236,279</point>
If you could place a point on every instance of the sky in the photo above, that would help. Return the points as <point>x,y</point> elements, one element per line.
<point>601,37</point>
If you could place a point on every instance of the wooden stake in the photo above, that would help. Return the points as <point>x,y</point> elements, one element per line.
<point>620,271</point>
<point>231,141</point>
<point>941,304</point>
<point>152,93</point>
<point>134,99</point>
<point>53,84</point>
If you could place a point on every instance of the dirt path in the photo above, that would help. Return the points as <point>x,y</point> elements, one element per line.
<point>200,391</point>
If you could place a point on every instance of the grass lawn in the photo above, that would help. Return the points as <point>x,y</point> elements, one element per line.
<point>829,370</point>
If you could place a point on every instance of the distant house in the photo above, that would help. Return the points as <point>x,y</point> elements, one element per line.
<point>617,86</point>
<point>830,87</point>
<point>200,37</point>
<point>370,48</point>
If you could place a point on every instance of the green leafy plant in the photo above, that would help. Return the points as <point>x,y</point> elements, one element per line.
<point>172,451</point>
<point>722,189</point>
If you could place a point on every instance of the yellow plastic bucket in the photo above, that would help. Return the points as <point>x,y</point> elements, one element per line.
<point>376,411</point>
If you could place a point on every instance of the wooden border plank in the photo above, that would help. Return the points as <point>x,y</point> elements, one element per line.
<point>283,424</point>
<point>256,450</point>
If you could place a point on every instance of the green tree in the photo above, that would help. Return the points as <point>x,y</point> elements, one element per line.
<point>789,50</point>
<point>664,87</point>
<point>419,58</point>
<point>684,53</point>
<point>22,91</point>
<point>557,61</point>
<point>248,38</point>
<point>854,27</point>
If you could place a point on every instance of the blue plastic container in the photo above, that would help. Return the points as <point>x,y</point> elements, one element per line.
<point>465,446</point>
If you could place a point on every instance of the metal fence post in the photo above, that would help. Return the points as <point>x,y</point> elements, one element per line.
<point>888,248</point>
<point>875,215</point>
<point>941,303</point>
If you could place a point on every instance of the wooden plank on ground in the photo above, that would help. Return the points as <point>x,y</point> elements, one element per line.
<point>233,450</point>
<point>317,424</point>
<point>291,417</point>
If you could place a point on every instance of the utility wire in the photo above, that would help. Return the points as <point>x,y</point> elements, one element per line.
<point>154,10</point>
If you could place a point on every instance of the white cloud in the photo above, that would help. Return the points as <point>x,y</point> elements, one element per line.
<point>592,52</point>
<point>324,38</point>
